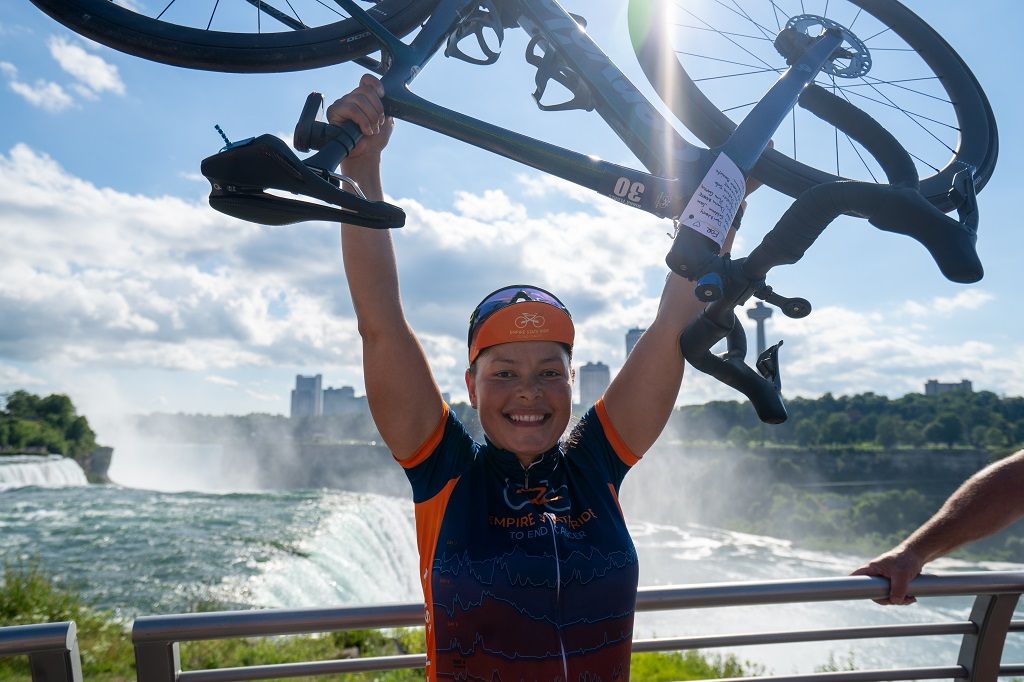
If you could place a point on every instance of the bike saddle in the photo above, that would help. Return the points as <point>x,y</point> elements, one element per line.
<point>241,172</point>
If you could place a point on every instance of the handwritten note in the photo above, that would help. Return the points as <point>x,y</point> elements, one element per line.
<point>713,206</point>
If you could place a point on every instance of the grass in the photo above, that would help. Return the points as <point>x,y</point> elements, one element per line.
<point>29,595</point>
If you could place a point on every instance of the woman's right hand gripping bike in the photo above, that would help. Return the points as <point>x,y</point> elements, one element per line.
<point>872,114</point>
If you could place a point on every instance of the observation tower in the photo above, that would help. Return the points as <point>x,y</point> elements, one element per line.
<point>759,313</point>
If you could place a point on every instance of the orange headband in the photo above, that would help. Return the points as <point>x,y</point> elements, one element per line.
<point>523,321</point>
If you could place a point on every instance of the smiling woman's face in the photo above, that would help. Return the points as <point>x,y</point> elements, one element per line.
<point>523,393</point>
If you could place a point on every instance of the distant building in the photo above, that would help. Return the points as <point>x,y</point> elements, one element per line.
<point>307,397</point>
<point>934,387</point>
<point>632,336</point>
<point>594,379</point>
<point>343,401</point>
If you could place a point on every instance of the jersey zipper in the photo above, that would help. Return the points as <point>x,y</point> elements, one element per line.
<point>558,595</point>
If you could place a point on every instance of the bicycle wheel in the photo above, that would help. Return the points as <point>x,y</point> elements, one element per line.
<point>239,36</point>
<point>710,62</point>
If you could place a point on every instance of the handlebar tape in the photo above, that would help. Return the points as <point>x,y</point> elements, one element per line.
<point>899,168</point>
<point>892,209</point>
<point>334,143</point>
<point>763,392</point>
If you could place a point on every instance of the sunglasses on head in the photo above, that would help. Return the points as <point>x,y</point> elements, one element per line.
<point>506,296</point>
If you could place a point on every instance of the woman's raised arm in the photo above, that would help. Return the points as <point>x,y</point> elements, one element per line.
<point>404,398</point>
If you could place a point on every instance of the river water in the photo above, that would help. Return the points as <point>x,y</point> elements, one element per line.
<point>143,551</point>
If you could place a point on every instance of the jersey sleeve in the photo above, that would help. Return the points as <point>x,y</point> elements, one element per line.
<point>443,456</point>
<point>596,445</point>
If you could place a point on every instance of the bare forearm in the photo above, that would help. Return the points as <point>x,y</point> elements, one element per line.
<point>369,258</point>
<point>989,501</point>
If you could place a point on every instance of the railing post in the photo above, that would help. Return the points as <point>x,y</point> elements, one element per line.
<point>157,662</point>
<point>52,650</point>
<point>981,652</point>
<point>50,666</point>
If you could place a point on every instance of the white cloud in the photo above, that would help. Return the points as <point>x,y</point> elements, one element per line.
<point>968,299</point>
<point>12,377</point>
<point>222,381</point>
<point>46,95</point>
<point>101,279</point>
<point>94,75</point>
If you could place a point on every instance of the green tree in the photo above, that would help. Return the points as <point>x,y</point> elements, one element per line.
<point>887,430</point>
<point>995,438</point>
<point>807,432</point>
<point>946,428</point>
<point>836,429</point>
<point>23,405</point>
<point>56,410</point>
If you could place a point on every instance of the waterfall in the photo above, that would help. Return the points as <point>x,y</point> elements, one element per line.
<point>47,471</point>
<point>362,551</point>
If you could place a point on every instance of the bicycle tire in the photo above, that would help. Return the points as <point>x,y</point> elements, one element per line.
<point>232,52</point>
<point>977,143</point>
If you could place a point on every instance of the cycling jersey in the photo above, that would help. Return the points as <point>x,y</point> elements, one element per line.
<point>528,574</point>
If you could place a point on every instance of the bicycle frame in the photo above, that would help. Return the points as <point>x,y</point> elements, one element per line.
<point>676,166</point>
<point>701,189</point>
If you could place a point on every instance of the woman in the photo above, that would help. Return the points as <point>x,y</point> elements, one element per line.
<point>527,568</point>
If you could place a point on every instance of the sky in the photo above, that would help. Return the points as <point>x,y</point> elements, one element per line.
<point>120,287</point>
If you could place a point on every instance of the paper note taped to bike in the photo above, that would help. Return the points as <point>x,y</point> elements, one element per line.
<point>713,206</point>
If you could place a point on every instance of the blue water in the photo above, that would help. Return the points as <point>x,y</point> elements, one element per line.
<point>140,551</point>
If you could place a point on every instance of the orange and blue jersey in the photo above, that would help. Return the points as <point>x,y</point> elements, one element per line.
<point>529,574</point>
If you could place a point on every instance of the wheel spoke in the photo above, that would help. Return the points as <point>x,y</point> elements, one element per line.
<point>855,18</point>
<point>914,117</point>
<point>210,22</point>
<point>263,7</point>
<point>898,85</point>
<point>725,33</point>
<point>775,11</point>
<point>736,75</point>
<point>297,17</point>
<point>728,61</point>
<point>876,81</point>
<point>740,106</point>
<point>724,36</point>
<point>741,12</point>
<point>884,30</point>
<point>168,6</point>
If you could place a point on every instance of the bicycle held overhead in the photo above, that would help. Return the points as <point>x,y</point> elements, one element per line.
<point>827,71</point>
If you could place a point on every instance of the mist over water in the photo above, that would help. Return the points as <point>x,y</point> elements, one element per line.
<point>197,528</point>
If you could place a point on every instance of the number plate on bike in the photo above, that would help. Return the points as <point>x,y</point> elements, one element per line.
<point>713,206</point>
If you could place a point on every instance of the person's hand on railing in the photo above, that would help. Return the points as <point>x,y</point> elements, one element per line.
<point>900,565</point>
<point>987,502</point>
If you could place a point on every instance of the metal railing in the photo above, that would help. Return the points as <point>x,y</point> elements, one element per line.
<point>52,650</point>
<point>156,638</point>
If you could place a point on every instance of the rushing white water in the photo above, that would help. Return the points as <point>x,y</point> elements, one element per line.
<point>361,551</point>
<point>48,471</point>
<point>143,551</point>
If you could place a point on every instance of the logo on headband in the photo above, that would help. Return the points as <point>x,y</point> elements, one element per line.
<point>534,319</point>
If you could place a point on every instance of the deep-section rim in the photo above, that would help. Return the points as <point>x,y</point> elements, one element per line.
<point>193,48</point>
<point>978,142</point>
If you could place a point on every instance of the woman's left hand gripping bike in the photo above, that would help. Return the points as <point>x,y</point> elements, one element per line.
<point>872,112</point>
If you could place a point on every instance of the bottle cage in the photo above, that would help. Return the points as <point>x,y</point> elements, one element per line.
<point>483,16</point>
<point>551,67</point>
